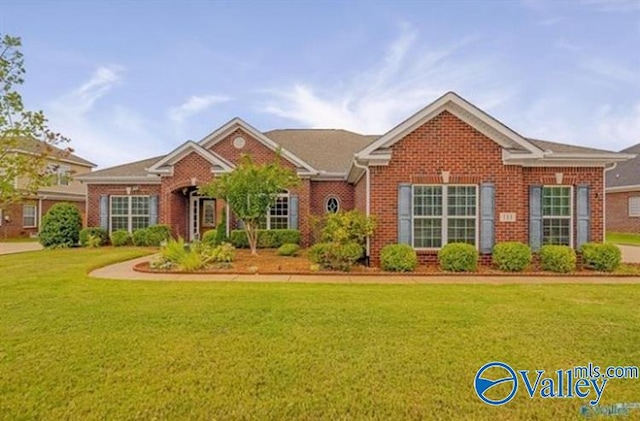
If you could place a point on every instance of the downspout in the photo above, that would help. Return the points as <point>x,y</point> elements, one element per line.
<point>367,201</point>
<point>39,224</point>
<point>604,200</point>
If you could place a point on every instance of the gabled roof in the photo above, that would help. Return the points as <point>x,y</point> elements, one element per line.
<point>136,170</point>
<point>327,150</point>
<point>33,146</point>
<point>237,123</point>
<point>165,164</point>
<point>626,175</point>
<point>462,109</point>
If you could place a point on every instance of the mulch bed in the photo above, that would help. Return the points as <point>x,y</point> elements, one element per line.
<point>269,263</point>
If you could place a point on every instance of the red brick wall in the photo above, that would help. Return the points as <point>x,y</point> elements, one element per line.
<point>321,190</point>
<point>360,195</point>
<point>94,191</point>
<point>446,143</point>
<point>618,219</point>
<point>259,152</point>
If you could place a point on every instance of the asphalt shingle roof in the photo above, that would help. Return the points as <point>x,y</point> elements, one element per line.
<point>36,146</point>
<point>626,173</point>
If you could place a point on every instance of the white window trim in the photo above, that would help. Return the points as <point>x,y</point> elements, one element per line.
<point>444,218</point>
<point>269,216</point>
<point>63,172</point>
<point>35,215</point>
<point>129,215</point>
<point>634,208</point>
<point>571,211</point>
<point>326,203</point>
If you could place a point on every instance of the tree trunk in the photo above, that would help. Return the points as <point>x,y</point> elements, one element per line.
<point>252,236</point>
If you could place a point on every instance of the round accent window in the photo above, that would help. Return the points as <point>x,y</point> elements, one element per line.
<point>238,142</point>
<point>332,204</point>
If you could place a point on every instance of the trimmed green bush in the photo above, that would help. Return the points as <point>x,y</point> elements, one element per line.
<point>120,238</point>
<point>560,259</point>
<point>347,227</point>
<point>288,249</point>
<point>601,257</point>
<point>100,234</point>
<point>210,237</point>
<point>458,257</point>
<point>140,237</point>
<point>152,236</point>
<point>61,226</point>
<point>398,258</point>
<point>266,238</point>
<point>336,256</point>
<point>511,256</point>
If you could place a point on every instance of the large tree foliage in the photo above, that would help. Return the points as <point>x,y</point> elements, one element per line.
<point>250,190</point>
<point>22,130</point>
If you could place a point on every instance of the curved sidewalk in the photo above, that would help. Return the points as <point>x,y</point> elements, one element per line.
<point>124,271</point>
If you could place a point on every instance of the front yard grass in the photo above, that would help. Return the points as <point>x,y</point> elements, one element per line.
<point>624,238</point>
<point>72,347</point>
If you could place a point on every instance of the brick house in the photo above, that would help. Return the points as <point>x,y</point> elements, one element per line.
<point>23,219</point>
<point>448,173</point>
<point>623,194</point>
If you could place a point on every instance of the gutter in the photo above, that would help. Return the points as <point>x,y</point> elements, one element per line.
<point>367,201</point>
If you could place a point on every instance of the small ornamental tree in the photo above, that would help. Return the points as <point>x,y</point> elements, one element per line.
<point>250,190</point>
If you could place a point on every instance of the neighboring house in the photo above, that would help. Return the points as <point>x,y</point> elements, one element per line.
<point>448,173</point>
<point>23,219</point>
<point>623,194</point>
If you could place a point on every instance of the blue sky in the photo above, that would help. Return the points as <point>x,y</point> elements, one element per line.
<point>130,80</point>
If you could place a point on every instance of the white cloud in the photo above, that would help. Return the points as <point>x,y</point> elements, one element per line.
<point>408,77</point>
<point>193,105</point>
<point>612,71</point>
<point>619,128</point>
<point>613,5</point>
<point>82,99</point>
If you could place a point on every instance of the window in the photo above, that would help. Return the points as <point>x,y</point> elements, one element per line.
<point>556,215</point>
<point>129,213</point>
<point>278,216</point>
<point>444,214</point>
<point>29,213</point>
<point>61,174</point>
<point>209,213</point>
<point>634,206</point>
<point>332,204</point>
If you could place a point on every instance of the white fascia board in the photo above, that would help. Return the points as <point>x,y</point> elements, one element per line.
<point>122,180</point>
<point>182,151</point>
<point>219,134</point>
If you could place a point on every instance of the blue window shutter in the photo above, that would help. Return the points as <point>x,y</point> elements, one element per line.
<point>404,214</point>
<point>583,213</point>
<point>153,210</point>
<point>487,217</point>
<point>104,212</point>
<point>535,217</point>
<point>293,212</point>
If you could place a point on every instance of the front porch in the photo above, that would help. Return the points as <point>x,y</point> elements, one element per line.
<point>190,215</point>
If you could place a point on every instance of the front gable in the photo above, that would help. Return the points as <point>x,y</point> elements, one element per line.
<point>237,138</point>
<point>167,163</point>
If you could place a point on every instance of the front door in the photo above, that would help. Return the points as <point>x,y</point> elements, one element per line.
<point>202,215</point>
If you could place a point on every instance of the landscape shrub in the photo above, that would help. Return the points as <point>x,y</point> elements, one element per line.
<point>210,237</point>
<point>560,259</point>
<point>336,256</point>
<point>266,238</point>
<point>177,254</point>
<point>289,249</point>
<point>458,257</point>
<point>120,238</point>
<point>140,237</point>
<point>61,226</point>
<point>398,258</point>
<point>222,253</point>
<point>511,256</point>
<point>152,236</point>
<point>601,257</point>
<point>101,237</point>
<point>347,227</point>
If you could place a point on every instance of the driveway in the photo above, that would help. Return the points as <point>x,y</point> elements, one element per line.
<point>9,248</point>
<point>630,254</point>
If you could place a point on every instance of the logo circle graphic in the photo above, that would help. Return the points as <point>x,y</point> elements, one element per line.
<point>482,385</point>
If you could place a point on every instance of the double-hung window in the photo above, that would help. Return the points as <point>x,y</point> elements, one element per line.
<point>278,215</point>
<point>129,213</point>
<point>634,206</point>
<point>556,215</point>
<point>444,214</point>
<point>29,215</point>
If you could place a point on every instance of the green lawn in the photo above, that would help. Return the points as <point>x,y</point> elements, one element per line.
<point>624,238</point>
<point>72,347</point>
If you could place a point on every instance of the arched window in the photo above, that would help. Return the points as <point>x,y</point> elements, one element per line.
<point>332,204</point>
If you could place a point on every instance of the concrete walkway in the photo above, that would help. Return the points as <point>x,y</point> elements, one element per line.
<point>124,271</point>
<point>630,254</point>
<point>10,248</point>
